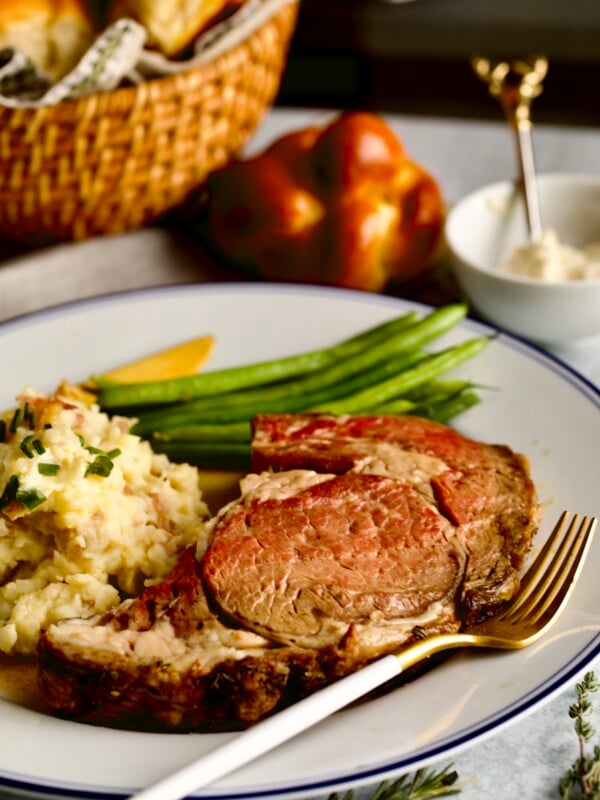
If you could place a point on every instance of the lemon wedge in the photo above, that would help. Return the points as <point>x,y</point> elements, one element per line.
<point>186,358</point>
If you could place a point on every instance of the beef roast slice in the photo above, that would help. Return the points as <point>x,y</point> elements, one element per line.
<point>164,661</point>
<point>303,557</point>
<point>484,490</point>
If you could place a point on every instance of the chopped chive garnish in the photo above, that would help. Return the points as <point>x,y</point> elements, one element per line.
<point>48,469</point>
<point>10,491</point>
<point>25,446</point>
<point>28,417</point>
<point>38,447</point>
<point>30,498</point>
<point>81,440</point>
<point>2,430</point>
<point>96,451</point>
<point>101,466</point>
<point>16,419</point>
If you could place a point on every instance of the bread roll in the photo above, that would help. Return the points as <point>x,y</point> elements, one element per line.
<point>54,34</point>
<point>173,25</point>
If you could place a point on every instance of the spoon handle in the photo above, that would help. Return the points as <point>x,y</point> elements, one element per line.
<point>528,182</point>
<point>515,84</point>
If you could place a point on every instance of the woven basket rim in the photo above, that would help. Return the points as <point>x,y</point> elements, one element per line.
<point>125,94</point>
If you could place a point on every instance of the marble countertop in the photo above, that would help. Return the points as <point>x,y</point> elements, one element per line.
<point>527,758</point>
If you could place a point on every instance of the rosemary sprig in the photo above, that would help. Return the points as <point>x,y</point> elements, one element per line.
<point>582,781</point>
<point>422,785</point>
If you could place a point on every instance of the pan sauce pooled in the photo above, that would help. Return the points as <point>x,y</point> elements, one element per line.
<point>87,512</point>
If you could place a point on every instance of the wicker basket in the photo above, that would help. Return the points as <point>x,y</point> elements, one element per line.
<point>112,162</point>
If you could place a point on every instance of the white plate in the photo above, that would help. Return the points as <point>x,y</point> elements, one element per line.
<point>539,407</point>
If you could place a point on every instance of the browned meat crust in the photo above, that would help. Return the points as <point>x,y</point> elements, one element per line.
<point>204,676</point>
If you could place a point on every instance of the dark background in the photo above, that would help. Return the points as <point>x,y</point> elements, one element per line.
<point>413,57</point>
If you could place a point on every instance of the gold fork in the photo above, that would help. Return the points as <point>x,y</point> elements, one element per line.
<point>544,592</point>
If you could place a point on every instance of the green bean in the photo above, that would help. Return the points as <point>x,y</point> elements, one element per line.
<point>289,396</point>
<point>219,381</point>
<point>426,399</point>
<point>232,432</point>
<point>423,396</point>
<point>439,388</point>
<point>447,409</point>
<point>216,415</point>
<point>406,381</point>
<point>211,455</point>
<point>399,405</point>
<point>440,407</point>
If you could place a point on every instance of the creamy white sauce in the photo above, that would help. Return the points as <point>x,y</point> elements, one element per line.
<point>550,260</point>
<point>416,469</point>
<point>280,485</point>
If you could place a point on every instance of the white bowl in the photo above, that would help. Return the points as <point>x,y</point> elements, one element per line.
<point>484,227</point>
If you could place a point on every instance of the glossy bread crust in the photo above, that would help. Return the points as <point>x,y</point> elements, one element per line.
<point>339,205</point>
<point>54,34</point>
<point>173,25</point>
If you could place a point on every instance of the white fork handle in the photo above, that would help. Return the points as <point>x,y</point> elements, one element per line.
<point>275,730</point>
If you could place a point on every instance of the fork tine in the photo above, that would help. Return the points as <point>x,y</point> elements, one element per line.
<point>560,592</point>
<point>547,589</point>
<point>540,564</point>
<point>548,551</point>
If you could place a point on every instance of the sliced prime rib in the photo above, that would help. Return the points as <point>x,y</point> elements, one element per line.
<point>304,558</point>
<point>354,536</point>
<point>484,490</point>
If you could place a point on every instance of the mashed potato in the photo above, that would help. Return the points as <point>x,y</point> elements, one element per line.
<point>88,512</point>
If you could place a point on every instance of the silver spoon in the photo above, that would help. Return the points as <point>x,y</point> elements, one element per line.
<point>515,84</point>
